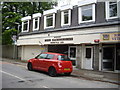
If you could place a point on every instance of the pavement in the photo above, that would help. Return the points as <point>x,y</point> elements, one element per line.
<point>110,77</point>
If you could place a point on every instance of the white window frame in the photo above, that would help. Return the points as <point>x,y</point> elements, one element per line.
<point>24,19</point>
<point>38,23</point>
<point>108,9</point>
<point>63,18</point>
<point>27,26</point>
<point>45,21</point>
<point>80,14</point>
<point>36,16</point>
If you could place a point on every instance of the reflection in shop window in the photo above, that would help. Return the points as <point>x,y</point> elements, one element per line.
<point>72,52</point>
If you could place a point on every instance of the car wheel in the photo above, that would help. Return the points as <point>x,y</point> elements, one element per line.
<point>68,74</point>
<point>29,65</point>
<point>52,72</point>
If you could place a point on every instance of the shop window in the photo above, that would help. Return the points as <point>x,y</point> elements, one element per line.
<point>65,17</point>
<point>111,10</point>
<point>88,52</point>
<point>87,13</point>
<point>72,52</point>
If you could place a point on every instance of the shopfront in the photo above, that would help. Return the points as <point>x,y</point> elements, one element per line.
<point>110,51</point>
<point>63,45</point>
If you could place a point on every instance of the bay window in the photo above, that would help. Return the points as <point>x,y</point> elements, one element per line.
<point>36,21</point>
<point>49,18</point>
<point>25,23</point>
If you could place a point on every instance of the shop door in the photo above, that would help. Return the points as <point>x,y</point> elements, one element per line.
<point>108,58</point>
<point>88,60</point>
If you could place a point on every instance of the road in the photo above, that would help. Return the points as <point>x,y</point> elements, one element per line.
<point>17,76</point>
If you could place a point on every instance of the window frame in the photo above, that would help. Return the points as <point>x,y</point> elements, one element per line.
<point>38,23</point>
<point>108,10</point>
<point>63,17</point>
<point>28,22</point>
<point>45,21</point>
<point>80,14</point>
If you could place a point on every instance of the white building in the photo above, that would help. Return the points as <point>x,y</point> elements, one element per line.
<point>87,32</point>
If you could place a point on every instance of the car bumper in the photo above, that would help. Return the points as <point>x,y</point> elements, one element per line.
<point>64,70</point>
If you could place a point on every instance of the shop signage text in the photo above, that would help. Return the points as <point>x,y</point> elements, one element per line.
<point>58,40</point>
<point>110,37</point>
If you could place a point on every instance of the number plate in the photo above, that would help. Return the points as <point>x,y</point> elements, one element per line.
<point>66,68</point>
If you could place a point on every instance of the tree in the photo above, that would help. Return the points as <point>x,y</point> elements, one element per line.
<point>12,12</point>
<point>7,36</point>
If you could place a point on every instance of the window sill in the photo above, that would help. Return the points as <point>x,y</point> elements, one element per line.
<point>110,18</point>
<point>86,21</point>
<point>25,31</point>
<point>49,27</point>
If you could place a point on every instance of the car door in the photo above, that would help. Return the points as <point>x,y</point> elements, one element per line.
<point>47,61</point>
<point>40,61</point>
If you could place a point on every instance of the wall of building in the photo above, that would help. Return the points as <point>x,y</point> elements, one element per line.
<point>9,51</point>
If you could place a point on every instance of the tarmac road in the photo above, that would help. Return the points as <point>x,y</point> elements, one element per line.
<point>17,76</point>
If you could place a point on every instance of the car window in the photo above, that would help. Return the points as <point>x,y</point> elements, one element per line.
<point>63,57</point>
<point>42,56</point>
<point>50,56</point>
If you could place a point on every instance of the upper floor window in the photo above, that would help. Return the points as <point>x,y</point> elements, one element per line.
<point>25,23</point>
<point>111,10</point>
<point>66,15</point>
<point>49,18</point>
<point>36,21</point>
<point>87,13</point>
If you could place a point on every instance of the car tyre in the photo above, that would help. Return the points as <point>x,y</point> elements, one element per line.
<point>52,72</point>
<point>29,65</point>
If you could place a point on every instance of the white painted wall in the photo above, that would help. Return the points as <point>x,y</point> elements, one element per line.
<point>87,35</point>
<point>29,52</point>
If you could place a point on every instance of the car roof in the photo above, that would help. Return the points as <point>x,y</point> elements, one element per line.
<point>53,53</point>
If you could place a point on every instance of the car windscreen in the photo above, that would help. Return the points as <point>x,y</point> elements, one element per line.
<point>63,58</point>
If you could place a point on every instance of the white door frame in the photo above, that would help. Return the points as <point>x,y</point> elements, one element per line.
<point>86,58</point>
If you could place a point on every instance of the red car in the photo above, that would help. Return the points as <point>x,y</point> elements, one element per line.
<point>53,63</point>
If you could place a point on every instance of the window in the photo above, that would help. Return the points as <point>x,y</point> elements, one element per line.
<point>111,10</point>
<point>36,23</point>
<point>25,23</point>
<point>49,18</point>
<point>63,57</point>
<point>72,52</point>
<point>65,17</point>
<point>88,52</point>
<point>87,13</point>
<point>49,21</point>
<point>50,56</point>
<point>25,26</point>
<point>42,56</point>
